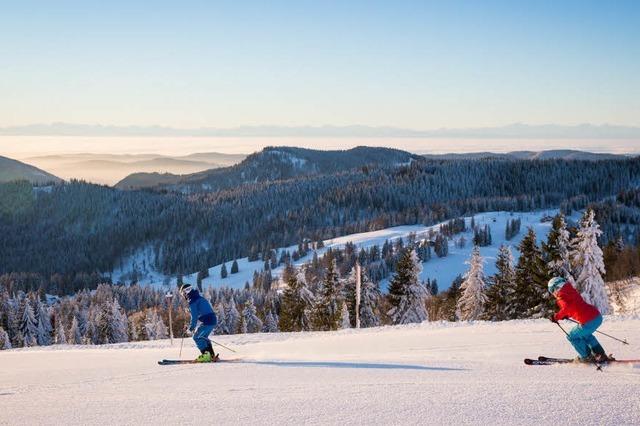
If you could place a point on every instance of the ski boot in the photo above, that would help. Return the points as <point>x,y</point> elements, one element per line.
<point>204,357</point>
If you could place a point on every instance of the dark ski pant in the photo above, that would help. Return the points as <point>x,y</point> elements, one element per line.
<point>582,339</point>
<point>201,336</point>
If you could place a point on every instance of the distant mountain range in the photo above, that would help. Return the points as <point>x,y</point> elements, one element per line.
<point>109,169</point>
<point>11,170</point>
<point>277,163</point>
<point>561,154</point>
<point>516,130</point>
<point>271,164</point>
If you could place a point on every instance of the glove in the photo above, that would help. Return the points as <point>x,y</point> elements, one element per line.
<point>190,331</point>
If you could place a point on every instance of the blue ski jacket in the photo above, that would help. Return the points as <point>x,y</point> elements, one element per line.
<point>201,310</point>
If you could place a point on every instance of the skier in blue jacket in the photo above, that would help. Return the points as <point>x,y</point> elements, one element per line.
<point>203,321</point>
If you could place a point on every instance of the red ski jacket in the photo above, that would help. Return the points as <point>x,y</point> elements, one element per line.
<point>572,305</point>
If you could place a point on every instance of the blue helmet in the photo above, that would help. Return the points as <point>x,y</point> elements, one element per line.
<point>556,284</point>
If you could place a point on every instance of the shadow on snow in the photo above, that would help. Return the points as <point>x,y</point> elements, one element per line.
<point>358,365</point>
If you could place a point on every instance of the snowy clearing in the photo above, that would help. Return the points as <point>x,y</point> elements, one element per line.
<point>430,373</point>
<point>444,270</point>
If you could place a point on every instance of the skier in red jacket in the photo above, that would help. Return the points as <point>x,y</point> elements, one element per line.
<point>573,306</point>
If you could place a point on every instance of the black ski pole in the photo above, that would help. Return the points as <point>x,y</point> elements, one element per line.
<point>561,328</point>
<point>229,349</point>
<point>604,334</point>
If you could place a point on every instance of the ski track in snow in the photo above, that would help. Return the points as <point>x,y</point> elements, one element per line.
<point>430,373</point>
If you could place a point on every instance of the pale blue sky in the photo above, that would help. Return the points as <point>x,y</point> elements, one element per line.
<point>415,64</point>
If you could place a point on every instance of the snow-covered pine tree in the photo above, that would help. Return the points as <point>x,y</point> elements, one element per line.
<point>59,337</point>
<point>470,305</point>
<point>5,342</point>
<point>327,311</point>
<point>75,335</point>
<point>297,301</point>
<point>154,327</point>
<point>27,324</point>
<point>252,323</point>
<point>232,316</point>
<point>406,295</point>
<point>501,288</point>
<point>345,321</point>
<point>221,316</point>
<point>43,320</point>
<point>270,323</point>
<point>234,267</point>
<point>531,298</point>
<point>556,249</point>
<point>369,302</point>
<point>120,324</point>
<point>587,261</point>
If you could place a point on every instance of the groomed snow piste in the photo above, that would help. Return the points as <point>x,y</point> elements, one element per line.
<point>430,373</point>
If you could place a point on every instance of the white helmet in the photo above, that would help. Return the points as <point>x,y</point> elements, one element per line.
<point>185,289</point>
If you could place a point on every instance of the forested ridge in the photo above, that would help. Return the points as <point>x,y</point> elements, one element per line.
<point>77,227</point>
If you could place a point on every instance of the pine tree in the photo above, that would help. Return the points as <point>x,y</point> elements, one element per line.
<point>60,338</point>
<point>531,298</point>
<point>154,327</point>
<point>502,288</point>
<point>120,324</point>
<point>221,316</point>
<point>406,296</point>
<point>369,302</point>
<point>556,249</point>
<point>470,306</point>
<point>252,324</point>
<point>234,267</point>
<point>270,323</point>
<point>232,316</point>
<point>327,311</point>
<point>44,323</point>
<point>587,261</point>
<point>75,335</point>
<point>297,301</point>
<point>223,271</point>
<point>27,325</point>
<point>345,321</point>
<point>5,342</point>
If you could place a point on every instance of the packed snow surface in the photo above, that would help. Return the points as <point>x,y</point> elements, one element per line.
<point>430,373</point>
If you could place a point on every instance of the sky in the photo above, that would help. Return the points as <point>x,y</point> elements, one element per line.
<point>411,64</point>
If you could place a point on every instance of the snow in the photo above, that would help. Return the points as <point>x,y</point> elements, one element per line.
<point>444,270</point>
<point>429,373</point>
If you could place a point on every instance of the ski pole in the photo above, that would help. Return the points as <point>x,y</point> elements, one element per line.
<point>561,328</point>
<point>229,349</point>
<point>604,334</point>
<point>181,343</point>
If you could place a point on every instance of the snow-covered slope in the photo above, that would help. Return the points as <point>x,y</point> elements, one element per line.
<point>430,373</point>
<point>444,270</point>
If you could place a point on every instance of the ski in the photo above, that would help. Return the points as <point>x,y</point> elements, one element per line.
<point>192,361</point>
<point>555,360</point>
<point>543,360</point>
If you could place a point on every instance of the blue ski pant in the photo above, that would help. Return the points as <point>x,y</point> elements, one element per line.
<point>582,339</point>
<point>201,336</point>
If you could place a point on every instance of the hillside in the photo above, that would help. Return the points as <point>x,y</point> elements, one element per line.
<point>109,168</point>
<point>11,170</point>
<point>444,270</point>
<point>273,164</point>
<point>189,232</point>
<point>563,154</point>
<point>429,373</point>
